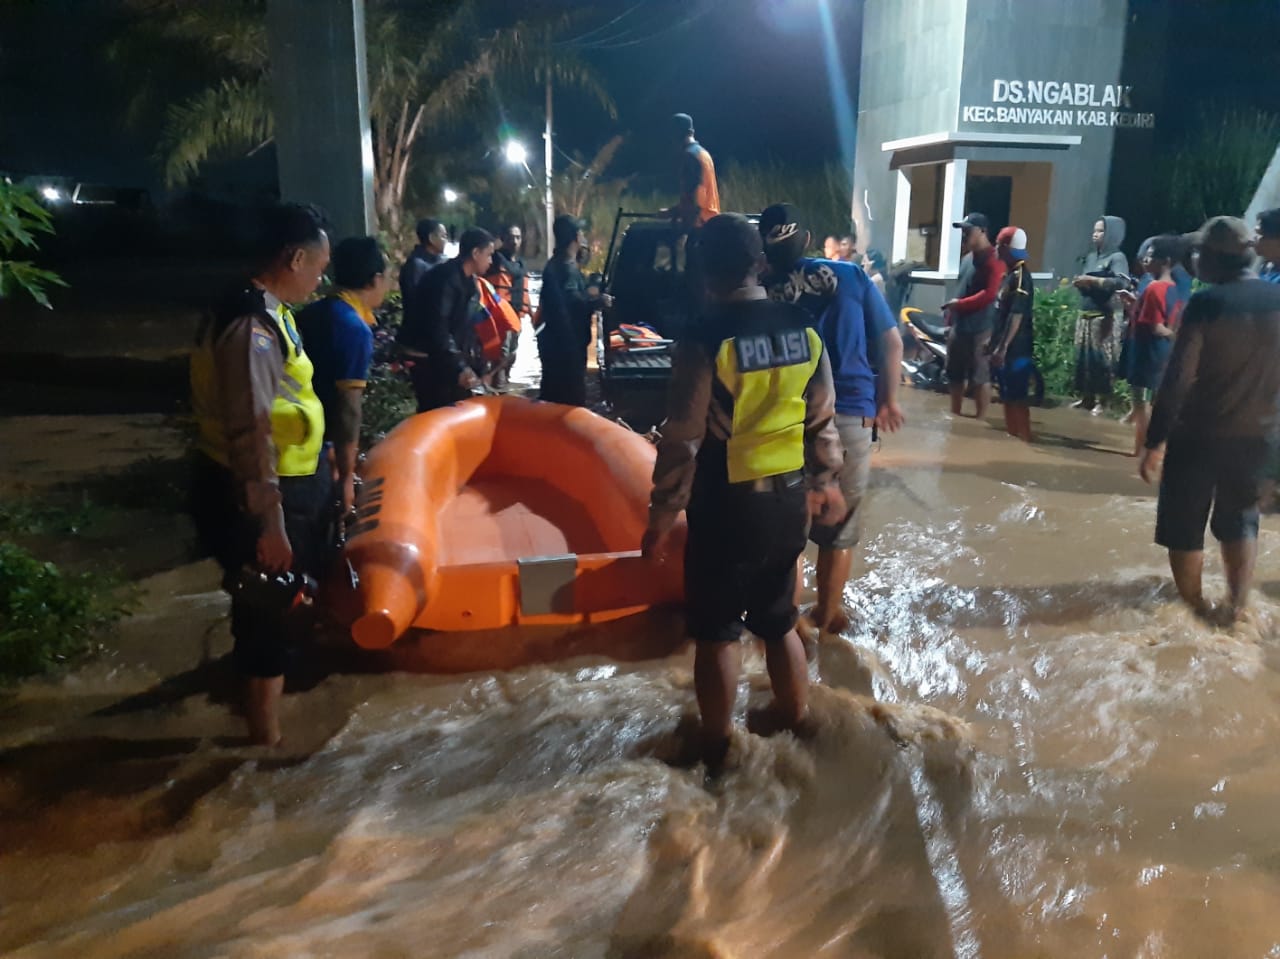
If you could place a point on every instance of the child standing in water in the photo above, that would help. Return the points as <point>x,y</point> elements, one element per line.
<point>1157,317</point>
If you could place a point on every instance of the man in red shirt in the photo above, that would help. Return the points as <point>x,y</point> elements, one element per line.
<point>971,316</point>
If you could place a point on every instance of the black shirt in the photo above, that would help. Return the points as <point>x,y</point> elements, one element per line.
<point>415,268</point>
<point>439,320</point>
<point>1017,298</point>
<point>1223,379</point>
<point>565,308</point>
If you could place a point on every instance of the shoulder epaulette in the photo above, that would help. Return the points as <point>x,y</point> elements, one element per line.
<point>242,301</point>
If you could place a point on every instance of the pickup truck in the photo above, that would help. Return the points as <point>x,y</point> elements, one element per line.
<point>645,274</point>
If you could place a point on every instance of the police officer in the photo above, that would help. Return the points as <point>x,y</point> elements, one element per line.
<point>565,311</point>
<point>750,448</point>
<point>260,498</point>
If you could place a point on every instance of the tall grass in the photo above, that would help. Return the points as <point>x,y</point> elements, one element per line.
<point>1217,167</point>
<point>822,195</point>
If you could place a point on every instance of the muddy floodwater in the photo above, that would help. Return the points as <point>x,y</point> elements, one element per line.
<point>1025,748</point>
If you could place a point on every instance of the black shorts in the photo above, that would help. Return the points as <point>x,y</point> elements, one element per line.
<point>740,560</point>
<point>263,642</point>
<point>1227,475</point>
<point>968,360</point>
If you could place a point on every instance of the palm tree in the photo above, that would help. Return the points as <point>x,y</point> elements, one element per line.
<point>429,62</point>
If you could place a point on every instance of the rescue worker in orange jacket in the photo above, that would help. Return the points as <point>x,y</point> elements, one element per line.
<point>509,277</point>
<point>699,194</point>
<point>262,495</point>
<point>750,449</point>
<point>508,273</point>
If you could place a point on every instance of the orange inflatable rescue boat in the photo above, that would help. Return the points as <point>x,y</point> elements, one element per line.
<point>501,511</point>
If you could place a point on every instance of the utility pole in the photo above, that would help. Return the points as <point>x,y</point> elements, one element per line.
<point>323,148</point>
<point>548,200</point>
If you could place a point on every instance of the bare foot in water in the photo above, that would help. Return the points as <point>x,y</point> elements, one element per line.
<point>1228,615</point>
<point>1201,608</point>
<point>810,629</point>
<point>839,623</point>
<point>768,721</point>
<point>715,751</point>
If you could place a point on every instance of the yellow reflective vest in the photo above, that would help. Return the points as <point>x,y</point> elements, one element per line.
<point>754,382</point>
<point>767,375</point>
<point>260,369</point>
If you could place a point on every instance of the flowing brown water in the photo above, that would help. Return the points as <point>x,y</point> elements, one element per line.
<point>1024,748</point>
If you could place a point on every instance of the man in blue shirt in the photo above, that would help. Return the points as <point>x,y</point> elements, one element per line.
<point>860,335</point>
<point>338,334</point>
<point>1267,243</point>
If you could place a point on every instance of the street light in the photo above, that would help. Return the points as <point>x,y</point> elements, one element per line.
<point>51,193</point>
<point>516,153</point>
<point>450,195</point>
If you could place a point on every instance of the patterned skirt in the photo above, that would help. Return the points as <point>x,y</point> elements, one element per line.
<point>1097,343</point>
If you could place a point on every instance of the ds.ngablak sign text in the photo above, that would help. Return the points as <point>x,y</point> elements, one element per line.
<point>1055,103</point>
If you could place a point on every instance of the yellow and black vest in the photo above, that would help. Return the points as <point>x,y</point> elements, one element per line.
<point>765,354</point>
<point>297,416</point>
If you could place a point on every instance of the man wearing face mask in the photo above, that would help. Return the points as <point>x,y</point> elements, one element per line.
<point>564,316</point>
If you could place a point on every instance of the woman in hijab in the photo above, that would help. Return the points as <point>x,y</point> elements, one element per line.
<point>1097,335</point>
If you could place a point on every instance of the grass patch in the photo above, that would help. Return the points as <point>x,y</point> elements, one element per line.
<point>156,483</point>
<point>40,517</point>
<point>49,618</point>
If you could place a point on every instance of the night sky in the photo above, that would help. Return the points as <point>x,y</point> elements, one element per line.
<point>751,72</point>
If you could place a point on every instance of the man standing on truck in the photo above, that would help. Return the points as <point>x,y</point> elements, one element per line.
<point>859,333</point>
<point>699,194</point>
<point>750,450</point>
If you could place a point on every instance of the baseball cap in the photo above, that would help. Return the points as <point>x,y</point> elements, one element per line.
<point>1225,236</point>
<point>1015,238</point>
<point>974,220</point>
<point>782,233</point>
<point>1269,223</point>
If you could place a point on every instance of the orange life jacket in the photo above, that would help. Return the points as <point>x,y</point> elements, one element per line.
<point>496,319</point>
<point>511,290</point>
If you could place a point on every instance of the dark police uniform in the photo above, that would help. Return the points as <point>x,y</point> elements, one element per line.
<point>565,312</point>
<point>751,429</point>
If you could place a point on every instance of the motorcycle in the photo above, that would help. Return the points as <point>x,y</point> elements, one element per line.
<point>924,341</point>
<point>924,335</point>
<point>924,349</point>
